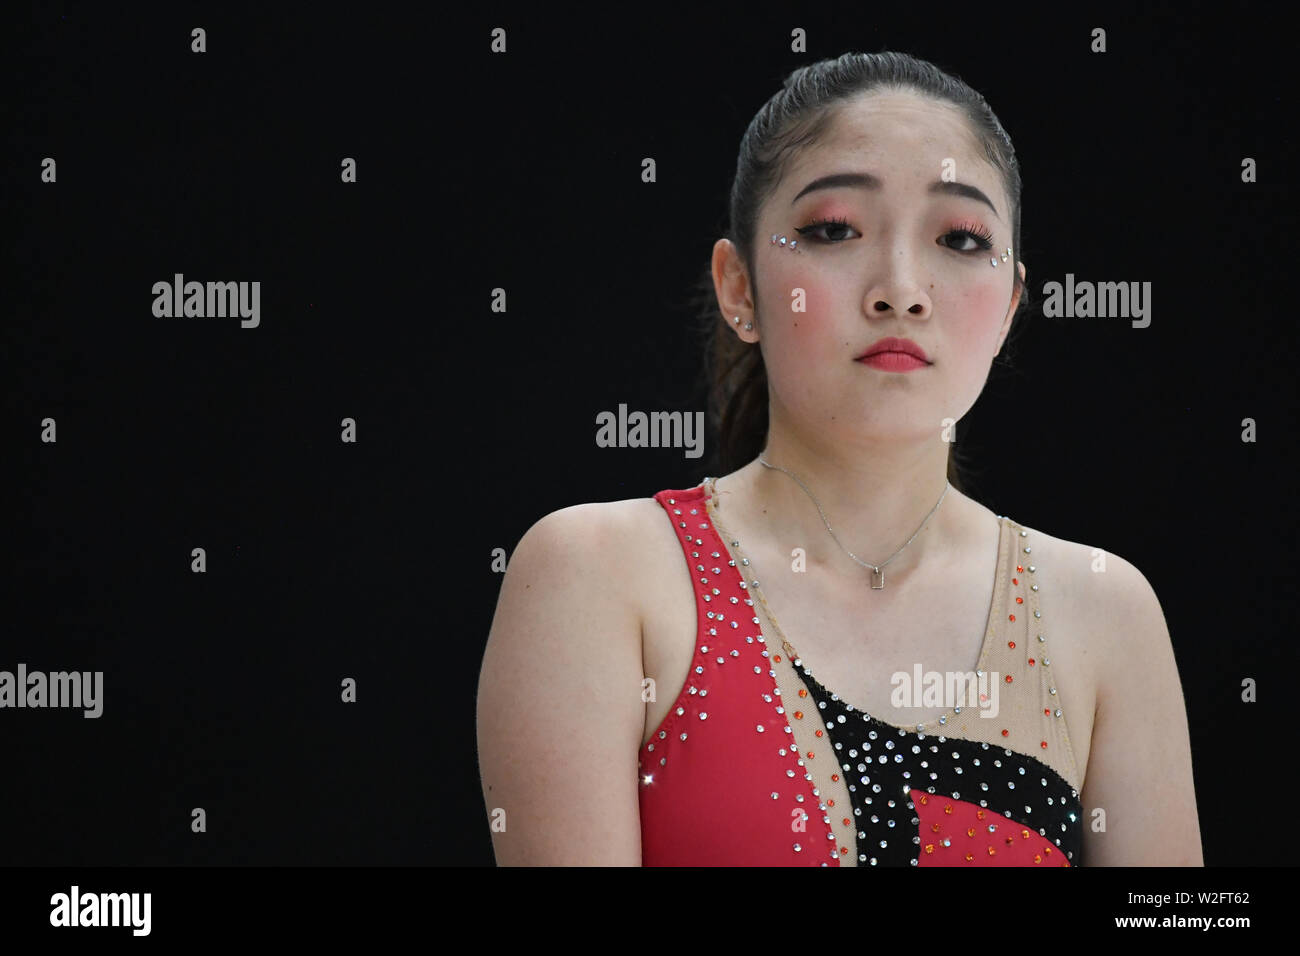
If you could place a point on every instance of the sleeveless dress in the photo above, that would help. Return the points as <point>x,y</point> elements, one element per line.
<point>758,764</point>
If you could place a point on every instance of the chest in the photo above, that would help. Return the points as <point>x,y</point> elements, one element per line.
<point>868,645</point>
<point>857,641</point>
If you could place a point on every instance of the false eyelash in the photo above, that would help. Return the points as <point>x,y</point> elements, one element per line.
<point>982,237</point>
<point>841,221</point>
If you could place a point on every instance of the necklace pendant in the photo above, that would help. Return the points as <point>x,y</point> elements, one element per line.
<point>877,575</point>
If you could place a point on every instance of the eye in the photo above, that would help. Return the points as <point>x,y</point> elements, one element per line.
<point>980,239</point>
<point>811,230</point>
<point>967,237</point>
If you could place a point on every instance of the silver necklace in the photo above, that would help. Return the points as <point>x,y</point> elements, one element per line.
<point>877,572</point>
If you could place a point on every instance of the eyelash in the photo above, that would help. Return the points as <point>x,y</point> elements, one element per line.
<point>982,237</point>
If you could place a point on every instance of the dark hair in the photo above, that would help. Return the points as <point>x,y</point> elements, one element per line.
<point>795,117</point>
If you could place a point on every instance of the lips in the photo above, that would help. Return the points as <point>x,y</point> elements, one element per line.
<point>891,344</point>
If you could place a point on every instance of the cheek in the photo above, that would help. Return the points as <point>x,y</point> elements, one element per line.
<point>979,312</point>
<point>803,331</point>
<point>801,303</point>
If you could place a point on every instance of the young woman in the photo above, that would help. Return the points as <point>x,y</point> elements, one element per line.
<point>830,655</point>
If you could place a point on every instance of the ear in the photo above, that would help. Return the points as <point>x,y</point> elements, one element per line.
<point>731,283</point>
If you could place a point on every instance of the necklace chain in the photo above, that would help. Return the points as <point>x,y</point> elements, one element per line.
<point>873,567</point>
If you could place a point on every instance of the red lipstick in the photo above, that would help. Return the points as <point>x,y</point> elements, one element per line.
<point>892,354</point>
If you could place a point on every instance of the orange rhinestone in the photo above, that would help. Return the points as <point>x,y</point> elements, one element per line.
<point>1047,712</point>
<point>992,851</point>
<point>979,814</point>
<point>1044,744</point>
<point>1031,662</point>
<point>836,778</point>
<point>1008,841</point>
<point>924,801</point>
<point>969,857</point>
<point>1013,617</point>
<point>846,821</point>
<point>1047,850</point>
<point>1024,834</point>
<point>1020,567</point>
<point>1006,733</point>
<point>803,692</point>
<point>934,828</point>
<point>948,809</point>
<point>1020,600</point>
<point>798,715</point>
<point>1008,678</point>
<point>970,832</point>
<point>844,849</point>
<point>1015,580</point>
<point>810,755</point>
<point>777,657</point>
<point>1011,644</point>
<point>929,848</point>
<point>831,803</point>
<point>819,733</point>
<point>1038,858</point>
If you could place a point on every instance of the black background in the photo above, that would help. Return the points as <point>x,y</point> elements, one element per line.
<point>522,171</point>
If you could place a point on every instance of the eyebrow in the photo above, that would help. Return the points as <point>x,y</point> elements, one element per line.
<point>868,181</point>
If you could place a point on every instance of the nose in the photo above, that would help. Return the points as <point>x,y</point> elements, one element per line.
<point>898,291</point>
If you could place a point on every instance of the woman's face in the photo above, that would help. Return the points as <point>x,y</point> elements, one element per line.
<point>908,257</point>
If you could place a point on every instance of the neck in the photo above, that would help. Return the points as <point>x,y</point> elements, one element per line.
<point>875,496</point>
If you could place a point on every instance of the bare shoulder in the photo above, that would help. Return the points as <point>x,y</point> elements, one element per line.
<point>637,537</point>
<point>625,527</point>
<point>1108,611</point>
<point>598,530</point>
<point>610,538</point>
<point>1102,588</point>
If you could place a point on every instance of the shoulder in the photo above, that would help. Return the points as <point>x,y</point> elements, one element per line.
<point>1105,594</point>
<point>608,539</point>
<point>597,525</point>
